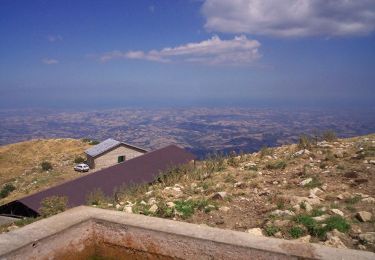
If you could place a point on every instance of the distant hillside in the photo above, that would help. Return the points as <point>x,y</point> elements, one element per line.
<point>20,164</point>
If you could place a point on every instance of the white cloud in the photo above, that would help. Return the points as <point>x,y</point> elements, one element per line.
<point>50,61</point>
<point>54,38</point>
<point>291,18</point>
<point>214,51</point>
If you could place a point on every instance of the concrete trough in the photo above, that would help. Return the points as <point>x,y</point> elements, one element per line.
<point>90,233</point>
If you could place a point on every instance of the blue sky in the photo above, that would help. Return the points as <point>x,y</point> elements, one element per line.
<point>179,52</point>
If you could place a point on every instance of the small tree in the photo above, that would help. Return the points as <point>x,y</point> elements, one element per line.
<point>79,159</point>
<point>46,166</point>
<point>53,205</point>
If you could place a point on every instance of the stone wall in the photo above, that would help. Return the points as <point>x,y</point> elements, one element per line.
<point>111,157</point>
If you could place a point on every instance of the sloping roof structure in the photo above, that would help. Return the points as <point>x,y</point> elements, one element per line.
<point>139,170</point>
<point>109,144</point>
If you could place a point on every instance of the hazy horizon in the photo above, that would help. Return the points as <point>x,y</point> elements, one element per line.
<point>94,54</point>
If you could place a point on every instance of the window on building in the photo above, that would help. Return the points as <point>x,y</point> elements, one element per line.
<point>121,158</point>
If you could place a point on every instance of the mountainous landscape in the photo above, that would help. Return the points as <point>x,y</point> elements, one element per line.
<point>201,130</point>
<point>317,191</point>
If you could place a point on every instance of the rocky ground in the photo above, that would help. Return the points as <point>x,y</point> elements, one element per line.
<point>318,191</point>
<point>321,192</point>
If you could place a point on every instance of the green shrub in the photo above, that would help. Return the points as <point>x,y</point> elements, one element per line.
<point>353,200</point>
<point>265,151</point>
<point>6,190</point>
<point>187,207</point>
<point>46,166</point>
<point>53,205</point>
<point>296,232</point>
<point>79,159</point>
<point>271,230</point>
<point>279,164</point>
<point>337,222</point>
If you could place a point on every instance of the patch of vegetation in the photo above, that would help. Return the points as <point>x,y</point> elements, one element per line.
<point>233,160</point>
<point>316,212</point>
<point>296,232</point>
<point>320,229</point>
<point>229,178</point>
<point>271,230</point>
<point>79,159</point>
<point>53,205</point>
<point>6,190</point>
<point>337,222</point>
<point>186,208</point>
<point>353,200</point>
<point>251,168</point>
<point>90,141</point>
<point>215,163</point>
<point>46,166</point>
<point>305,142</point>
<point>314,183</point>
<point>95,197</point>
<point>329,136</point>
<point>164,211</point>
<point>265,151</point>
<point>279,164</point>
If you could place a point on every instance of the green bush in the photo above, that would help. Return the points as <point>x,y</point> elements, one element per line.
<point>6,190</point>
<point>53,205</point>
<point>296,232</point>
<point>79,159</point>
<point>271,230</point>
<point>187,207</point>
<point>46,166</point>
<point>337,222</point>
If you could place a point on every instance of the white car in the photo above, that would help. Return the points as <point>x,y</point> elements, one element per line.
<point>82,167</point>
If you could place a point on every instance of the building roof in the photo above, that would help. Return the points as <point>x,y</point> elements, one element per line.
<point>107,145</point>
<point>139,170</point>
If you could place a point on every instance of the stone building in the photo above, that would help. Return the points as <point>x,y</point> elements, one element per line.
<point>111,152</point>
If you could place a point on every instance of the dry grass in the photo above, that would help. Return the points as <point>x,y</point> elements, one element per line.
<point>20,164</point>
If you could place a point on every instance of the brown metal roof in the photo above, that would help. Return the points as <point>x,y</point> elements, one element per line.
<point>142,169</point>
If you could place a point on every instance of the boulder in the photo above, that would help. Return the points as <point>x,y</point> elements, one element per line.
<point>305,239</point>
<point>305,182</point>
<point>336,212</point>
<point>334,241</point>
<point>128,209</point>
<point>368,237</point>
<point>153,208</point>
<point>219,195</point>
<point>363,216</point>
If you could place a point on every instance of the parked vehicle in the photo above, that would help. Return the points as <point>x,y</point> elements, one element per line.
<point>82,167</point>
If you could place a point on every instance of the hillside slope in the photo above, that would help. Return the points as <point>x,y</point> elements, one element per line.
<point>320,192</point>
<point>20,164</point>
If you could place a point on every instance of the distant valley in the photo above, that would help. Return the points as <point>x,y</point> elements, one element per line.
<point>201,130</point>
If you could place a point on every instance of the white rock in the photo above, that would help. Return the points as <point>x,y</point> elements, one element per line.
<point>282,213</point>
<point>224,209</point>
<point>304,182</point>
<point>128,209</point>
<point>337,212</point>
<point>305,239</point>
<point>153,208</point>
<point>110,205</point>
<point>149,193</point>
<point>151,201</point>
<point>363,216</point>
<point>369,200</point>
<point>219,195</point>
<point>118,206</point>
<point>321,218</point>
<point>255,231</point>
<point>334,242</point>
<point>170,204</point>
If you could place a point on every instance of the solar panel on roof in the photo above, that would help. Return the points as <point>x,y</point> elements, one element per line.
<point>102,147</point>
